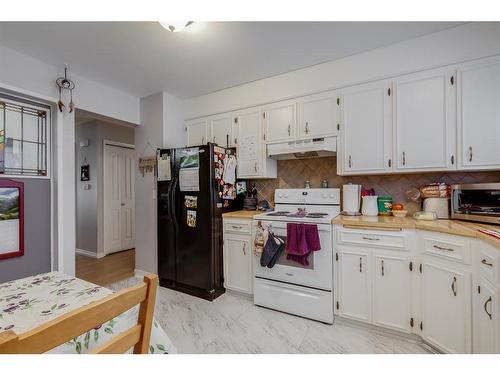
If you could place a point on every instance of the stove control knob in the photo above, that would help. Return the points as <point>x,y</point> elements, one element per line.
<point>286,195</point>
<point>331,196</point>
<point>280,195</point>
<point>324,195</point>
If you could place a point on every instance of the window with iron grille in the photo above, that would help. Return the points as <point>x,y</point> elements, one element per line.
<point>24,128</point>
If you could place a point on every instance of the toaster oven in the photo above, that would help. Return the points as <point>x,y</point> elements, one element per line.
<point>476,202</point>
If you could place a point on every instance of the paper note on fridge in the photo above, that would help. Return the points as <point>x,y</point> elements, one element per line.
<point>189,179</point>
<point>164,173</point>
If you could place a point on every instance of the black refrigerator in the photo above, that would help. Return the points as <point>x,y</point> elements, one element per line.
<point>192,196</point>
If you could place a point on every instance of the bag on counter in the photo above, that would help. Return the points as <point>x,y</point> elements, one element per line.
<point>435,190</point>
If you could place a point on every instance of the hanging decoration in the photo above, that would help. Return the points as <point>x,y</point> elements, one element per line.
<point>147,164</point>
<point>65,84</point>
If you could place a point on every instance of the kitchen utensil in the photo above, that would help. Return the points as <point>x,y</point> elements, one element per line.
<point>351,199</point>
<point>384,205</point>
<point>60,103</point>
<point>370,206</point>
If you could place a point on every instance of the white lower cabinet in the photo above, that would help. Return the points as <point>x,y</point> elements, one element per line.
<point>446,306</point>
<point>237,256</point>
<point>354,294</point>
<point>486,321</point>
<point>392,291</point>
<point>444,288</point>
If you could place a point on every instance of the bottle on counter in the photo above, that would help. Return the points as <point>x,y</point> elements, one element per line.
<point>307,184</point>
<point>324,184</point>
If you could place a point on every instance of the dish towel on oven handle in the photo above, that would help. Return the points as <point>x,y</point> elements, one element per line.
<point>302,239</point>
<point>272,250</point>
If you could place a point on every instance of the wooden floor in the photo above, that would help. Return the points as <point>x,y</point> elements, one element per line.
<point>107,270</point>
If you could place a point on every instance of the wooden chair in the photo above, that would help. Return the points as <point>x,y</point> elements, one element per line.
<point>74,323</point>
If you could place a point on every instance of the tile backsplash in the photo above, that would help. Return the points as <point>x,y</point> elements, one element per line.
<point>293,174</point>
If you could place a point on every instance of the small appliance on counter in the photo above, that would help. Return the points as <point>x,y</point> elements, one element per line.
<point>351,195</point>
<point>441,206</point>
<point>436,199</point>
<point>476,202</point>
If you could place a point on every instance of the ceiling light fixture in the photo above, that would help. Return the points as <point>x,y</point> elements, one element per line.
<point>175,26</point>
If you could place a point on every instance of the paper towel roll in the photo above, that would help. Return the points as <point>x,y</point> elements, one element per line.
<point>351,198</point>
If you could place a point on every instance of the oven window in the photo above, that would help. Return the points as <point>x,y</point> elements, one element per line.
<point>290,263</point>
<point>478,202</point>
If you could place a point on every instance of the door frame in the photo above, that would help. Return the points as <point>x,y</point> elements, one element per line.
<point>100,225</point>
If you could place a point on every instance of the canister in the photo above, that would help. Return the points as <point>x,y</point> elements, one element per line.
<point>384,205</point>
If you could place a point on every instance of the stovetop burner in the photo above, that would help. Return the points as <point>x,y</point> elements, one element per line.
<point>278,213</point>
<point>317,214</point>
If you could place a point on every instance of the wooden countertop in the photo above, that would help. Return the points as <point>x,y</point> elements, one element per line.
<point>460,228</point>
<point>241,214</point>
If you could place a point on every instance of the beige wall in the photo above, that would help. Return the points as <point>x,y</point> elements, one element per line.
<point>293,174</point>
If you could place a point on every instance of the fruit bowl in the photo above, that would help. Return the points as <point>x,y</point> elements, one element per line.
<point>399,213</point>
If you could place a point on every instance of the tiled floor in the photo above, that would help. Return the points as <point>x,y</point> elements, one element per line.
<point>233,324</point>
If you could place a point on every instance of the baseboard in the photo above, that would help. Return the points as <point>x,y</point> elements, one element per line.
<point>88,253</point>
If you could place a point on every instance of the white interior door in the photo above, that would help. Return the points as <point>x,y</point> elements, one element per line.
<point>119,198</point>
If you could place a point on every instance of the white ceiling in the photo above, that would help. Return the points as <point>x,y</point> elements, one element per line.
<point>142,58</point>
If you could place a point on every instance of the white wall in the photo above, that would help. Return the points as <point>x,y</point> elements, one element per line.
<point>454,45</point>
<point>25,72</point>
<point>26,75</point>
<point>162,117</point>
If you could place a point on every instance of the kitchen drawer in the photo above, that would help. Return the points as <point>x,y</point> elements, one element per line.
<point>238,226</point>
<point>390,239</point>
<point>489,262</point>
<point>446,246</point>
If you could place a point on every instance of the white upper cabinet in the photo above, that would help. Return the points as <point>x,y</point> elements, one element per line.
<point>196,132</point>
<point>221,127</point>
<point>280,121</point>
<point>366,129</point>
<point>251,153</point>
<point>318,115</point>
<point>479,115</point>
<point>424,114</point>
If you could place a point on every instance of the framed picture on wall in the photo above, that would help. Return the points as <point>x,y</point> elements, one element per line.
<point>11,219</point>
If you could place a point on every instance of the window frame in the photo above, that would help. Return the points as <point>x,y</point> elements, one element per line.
<point>37,106</point>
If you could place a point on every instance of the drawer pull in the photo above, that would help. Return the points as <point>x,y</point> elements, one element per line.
<point>371,239</point>
<point>360,264</point>
<point>486,309</point>
<point>382,267</point>
<point>235,227</point>
<point>443,248</point>
<point>487,263</point>
<point>453,286</point>
<point>244,248</point>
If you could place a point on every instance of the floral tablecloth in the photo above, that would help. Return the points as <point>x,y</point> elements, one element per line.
<point>30,302</point>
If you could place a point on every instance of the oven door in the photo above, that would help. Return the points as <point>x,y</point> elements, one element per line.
<point>318,274</point>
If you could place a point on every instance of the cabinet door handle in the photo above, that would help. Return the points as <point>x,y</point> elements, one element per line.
<point>289,129</point>
<point>470,153</point>
<point>453,286</point>
<point>213,138</point>
<point>382,267</point>
<point>255,167</point>
<point>244,248</point>
<point>487,263</point>
<point>452,159</point>
<point>307,127</point>
<point>443,248</point>
<point>350,161</point>
<point>404,158</point>
<point>202,140</point>
<point>235,140</point>
<point>371,238</point>
<point>389,163</point>
<point>486,309</point>
<point>360,264</point>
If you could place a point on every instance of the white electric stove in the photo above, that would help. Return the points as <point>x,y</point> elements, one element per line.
<point>290,286</point>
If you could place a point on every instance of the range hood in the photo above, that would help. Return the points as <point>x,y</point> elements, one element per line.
<point>308,148</point>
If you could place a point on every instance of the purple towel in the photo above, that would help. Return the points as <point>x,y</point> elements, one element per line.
<point>302,239</point>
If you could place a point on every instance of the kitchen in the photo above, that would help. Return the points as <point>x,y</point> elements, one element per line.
<point>417,129</point>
